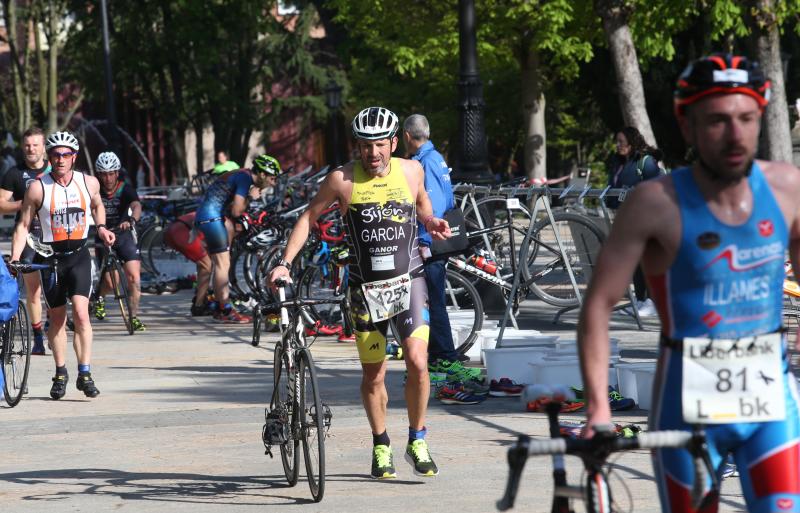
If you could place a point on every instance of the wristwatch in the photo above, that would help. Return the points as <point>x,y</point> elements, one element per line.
<point>283,263</point>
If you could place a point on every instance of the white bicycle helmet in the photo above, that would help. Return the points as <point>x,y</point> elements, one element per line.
<point>107,162</point>
<point>375,123</point>
<point>61,139</point>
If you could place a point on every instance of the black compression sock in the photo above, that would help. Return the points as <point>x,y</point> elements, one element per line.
<point>61,371</point>
<point>382,439</point>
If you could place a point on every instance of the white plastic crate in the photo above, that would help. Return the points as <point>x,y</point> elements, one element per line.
<point>555,370</point>
<point>512,362</point>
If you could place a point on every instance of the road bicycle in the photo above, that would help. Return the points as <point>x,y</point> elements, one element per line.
<point>15,344</point>
<point>296,413</point>
<point>596,493</point>
<point>111,266</point>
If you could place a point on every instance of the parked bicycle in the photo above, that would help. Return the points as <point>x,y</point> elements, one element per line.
<point>296,412</point>
<point>596,493</point>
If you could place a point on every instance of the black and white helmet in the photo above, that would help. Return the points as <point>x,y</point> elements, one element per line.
<point>375,123</point>
<point>107,162</point>
<point>61,139</point>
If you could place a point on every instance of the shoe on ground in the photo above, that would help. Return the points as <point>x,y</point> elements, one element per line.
<point>138,325</point>
<point>505,387</point>
<point>615,400</point>
<point>99,309</point>
<point>344,338</point>
<point>418,455</point>
<point>540,406</point>
<point>232,317</point>
<point>85,384</point>
<point>437,378</point>
<point>59,387</point>
<point>729,470</point>
<point>646,308</point>
<point>456,371</point>
<point>382,462</point>
<point>201,311</point>
<point>455,393</point>
<point>323,330</point>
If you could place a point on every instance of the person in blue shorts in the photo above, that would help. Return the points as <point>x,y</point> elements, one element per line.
<point>223,205</point>
<point>711,239</point>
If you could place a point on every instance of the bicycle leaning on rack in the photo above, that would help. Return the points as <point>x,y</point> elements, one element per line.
<point>296,413</point>
<point>596,493</point>
<point>15,344</point>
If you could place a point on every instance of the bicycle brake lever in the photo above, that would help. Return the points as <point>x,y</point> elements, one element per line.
<point>517,456</point>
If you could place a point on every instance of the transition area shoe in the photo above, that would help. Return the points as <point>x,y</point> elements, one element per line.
<point>382,462</point>
<point>615,400</point>
<point>540,406</point>
<point>85,384</point>
<point>323,330</point>
<point>232,317</point>
<point>455,393</point>
<point>418,455</point>
<point>344,338</point>
<point>505,387</point>
<point>646,308</point>
<point>138,325</point>
<point>99,309</point>
<point>201,311</point>
<point>59,387</point>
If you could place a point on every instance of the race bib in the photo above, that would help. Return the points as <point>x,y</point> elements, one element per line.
<point>387,298</point>
<point>733,380</point>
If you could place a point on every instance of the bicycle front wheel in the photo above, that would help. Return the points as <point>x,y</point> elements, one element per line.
<point>544,267</point>
<point>16,355</point>
<point>119,281</point>
<point>283,397</point>
<point>313,419</point>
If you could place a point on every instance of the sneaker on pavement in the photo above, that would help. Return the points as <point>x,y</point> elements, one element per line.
<point>539,405</point>
<point>729,470</point>
<point>59,387</point>
<point>138,325</point>
<point>615,400</point>
<point>201,311</point>
<point>85,384</point>
<point>505,387</point>
<point>99,309</point>
<point>456,371</point>
<point>232,317</point>
<point>344,338</point>
<point>437,378</point>
<point>382,462</point>
<point>455,393</point>
<point>418,455</point>
<point>646,308</point>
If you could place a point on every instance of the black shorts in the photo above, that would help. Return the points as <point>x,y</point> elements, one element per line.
<point>72,276</point>
<point>124,246</point>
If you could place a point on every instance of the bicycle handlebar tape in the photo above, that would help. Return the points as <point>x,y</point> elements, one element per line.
<point>549,446</point>
<point>517,456</point>
<point>284,312</point>
<point>662,439</point>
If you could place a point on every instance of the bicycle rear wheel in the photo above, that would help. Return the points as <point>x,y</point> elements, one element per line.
<point>543,267</point>
<point>283,397</point>
<point>119,282</point>
<point>465,308</point>
<point>16,355</point>
<point>313,419</point>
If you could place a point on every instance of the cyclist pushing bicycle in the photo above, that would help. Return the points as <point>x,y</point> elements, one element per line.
<point>711,239</point>
<point>123,210</point>
<point>381,199</point>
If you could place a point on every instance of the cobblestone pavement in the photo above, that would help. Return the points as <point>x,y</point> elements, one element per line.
<point>177,427</point>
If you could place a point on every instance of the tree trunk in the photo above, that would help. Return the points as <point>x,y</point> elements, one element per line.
<point>533,104</point>
<point>777,132</point>
<point>41,67</point>
<point>614,14</point>
<point>198,147</point>
<point>18,75</point>
<point>52,77</point>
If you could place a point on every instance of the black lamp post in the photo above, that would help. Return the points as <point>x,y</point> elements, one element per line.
<point>333,100</point>
<point>110,107</point>
<point>472,161</point>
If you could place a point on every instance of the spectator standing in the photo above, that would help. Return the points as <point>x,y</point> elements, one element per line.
<point>224,164</point>
<point>443,361</point>
<point>632,163</point>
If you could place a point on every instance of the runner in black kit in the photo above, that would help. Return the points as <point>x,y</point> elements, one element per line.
<point>382,198</point>
<point>67,202</point>
<point>123,210</point>
<point>12,191</point>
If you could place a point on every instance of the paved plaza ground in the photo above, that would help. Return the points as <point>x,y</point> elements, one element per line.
<point>177,427</point>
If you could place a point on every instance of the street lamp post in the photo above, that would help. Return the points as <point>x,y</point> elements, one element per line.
<point>110,107</point>
<point>333,100</point>
<point>472,161</point>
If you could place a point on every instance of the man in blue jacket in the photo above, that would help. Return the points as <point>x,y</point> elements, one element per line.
<point>443,361</point>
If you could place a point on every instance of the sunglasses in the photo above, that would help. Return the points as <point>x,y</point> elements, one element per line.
<point>56,155</point>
